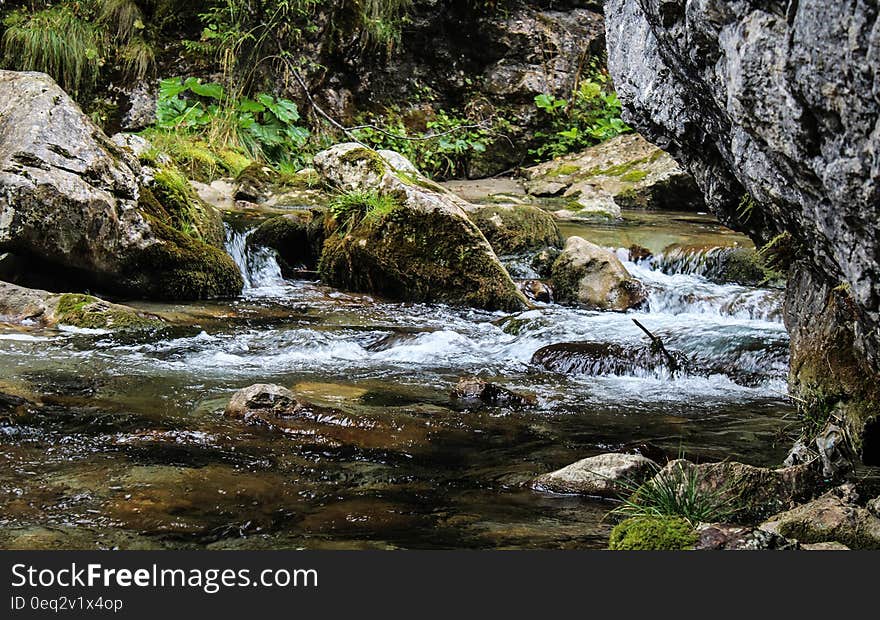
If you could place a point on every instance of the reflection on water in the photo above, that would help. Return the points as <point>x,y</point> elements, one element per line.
<point>128,446</point>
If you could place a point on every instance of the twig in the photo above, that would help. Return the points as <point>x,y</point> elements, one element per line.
<point>657,345</point>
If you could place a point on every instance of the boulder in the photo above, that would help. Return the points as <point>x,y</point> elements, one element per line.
<point>471,390</point>
<point>406,238</point>
<point>833,517</point>
<point>606,475</point>
<point>19,304</point>
<point>593,277</point>
<point>297,237</point>
<point>72,204</point>
<point>512,229</point>
<point>747,493</point>
<point>625,172</point>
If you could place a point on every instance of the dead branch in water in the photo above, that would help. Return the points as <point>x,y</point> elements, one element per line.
<point>657,346</point>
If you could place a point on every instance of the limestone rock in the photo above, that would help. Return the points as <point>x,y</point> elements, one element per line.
<point>595,278</point>
<point>512,229</point>
<point>420,246</point>
<point>606,475</point>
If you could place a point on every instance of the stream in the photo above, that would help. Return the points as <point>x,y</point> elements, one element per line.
<point>130,448</point>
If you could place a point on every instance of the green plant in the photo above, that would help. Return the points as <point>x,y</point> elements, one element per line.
<point>443,150</point>
<point>351,208</point>
<point>60,40</point>
<point>677,491</point>
<point>653,534</point>
<point>592,115</point>
<point>381,21</point>
<point>264,127</point>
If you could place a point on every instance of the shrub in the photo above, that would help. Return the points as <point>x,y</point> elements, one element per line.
<point>592,115</point>
<point>653,534</point>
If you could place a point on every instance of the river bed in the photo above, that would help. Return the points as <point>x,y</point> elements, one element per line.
<point>130,447</point>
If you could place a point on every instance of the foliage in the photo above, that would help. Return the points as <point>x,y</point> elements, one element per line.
<point>592,115</point>
<point>444,150</point>
<point>381,21</point>
<point>653,534</point>
<point>677,492</point>
<point>60,41</point>
<point>264,127</point>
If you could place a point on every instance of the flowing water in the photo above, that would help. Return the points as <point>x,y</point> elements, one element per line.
<point>129,446</point>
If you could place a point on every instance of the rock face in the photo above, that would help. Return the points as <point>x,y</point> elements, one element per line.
<point>606,475</point>
<point>71,201</point>
<point>407,239</point>
<point>627,170</point>
<point>773,108</point>
<point>595,278</point>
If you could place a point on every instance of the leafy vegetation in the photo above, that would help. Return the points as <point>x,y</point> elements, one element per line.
<point>351,208</point>
<point>592,115</point>
<point>676,492</point>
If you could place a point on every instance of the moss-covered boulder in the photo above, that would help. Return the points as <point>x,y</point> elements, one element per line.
<point>627,170</point>
<point>399,235</point>
<point>837,516</point>
<point>297,237</point>
<point>653,534</point>
<point>512,229</point>
<point>73,203</point>
<point>593,277</point>
<point>19,304</point>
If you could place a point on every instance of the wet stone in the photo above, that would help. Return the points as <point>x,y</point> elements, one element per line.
<point>471,390</point>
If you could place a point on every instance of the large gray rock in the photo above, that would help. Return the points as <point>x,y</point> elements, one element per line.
<point>71,200</point>
<point>606,475</point>
<point>418,245</point>
<point>595,278</point>
<point>773,107</point>
<point>628,169</point>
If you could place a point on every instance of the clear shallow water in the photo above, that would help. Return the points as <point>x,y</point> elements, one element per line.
<point>130,447</point>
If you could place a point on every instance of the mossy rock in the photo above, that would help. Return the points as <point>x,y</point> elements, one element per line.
<point>89,312</point>
<point>653,534</point>
<point>297,237</point>
<point>172,198</point>
<point>255,182</point>
<point>409,255</point>
<point>511,229</point>
<point>179,267</point>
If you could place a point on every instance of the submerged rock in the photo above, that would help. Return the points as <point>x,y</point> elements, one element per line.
<point>471,390</point>
<point>607,358</point>
<point>834,517</point>
<point>71,203</point>
<point>19,304</point>
<point>512,229</point>
<point>625,172</point>
<point>535,290</point>
<point>595,278</point>
<point>407,239</point>
<point>606,475</point>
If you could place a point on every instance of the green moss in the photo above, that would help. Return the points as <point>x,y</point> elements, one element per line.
<point>416,180</point>
<point>371,158</point>
<point>186,211</point>
<point>618,170</point>
<point>515,229</point>
<point>90,312</point>
<point>634,176</point>
<point>297,237</point>
<point>564,170</point>
<point>179,267</point>
<point>653,534</point>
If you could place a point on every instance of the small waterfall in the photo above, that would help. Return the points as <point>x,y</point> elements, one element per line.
<point>259,266</point>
